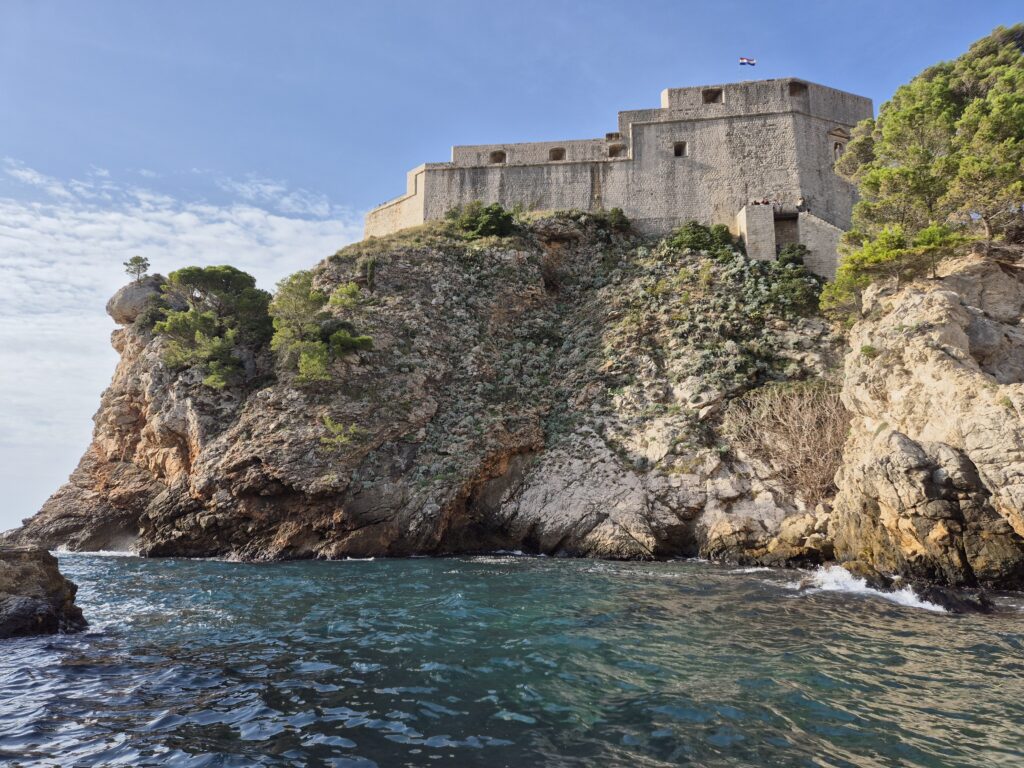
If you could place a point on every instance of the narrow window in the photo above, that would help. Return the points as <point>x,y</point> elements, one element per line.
<point>679,149</point>
<point>797,89</point>
<point>837,150</point>
<point>617,150</point>
<point>498,157</point>
<point>712,95</point>
<point>556,153</point>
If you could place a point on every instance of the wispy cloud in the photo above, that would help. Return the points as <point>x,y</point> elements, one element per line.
<point>62,244</point>
<point>277,196</point>
<point>21,172</point>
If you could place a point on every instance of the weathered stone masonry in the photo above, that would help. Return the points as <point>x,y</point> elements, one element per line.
<point>708,153</point>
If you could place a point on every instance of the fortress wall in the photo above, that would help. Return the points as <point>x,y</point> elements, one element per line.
<point>767,96</point>
<point>727,163</point>
<point>402,212</point>
<point>771,139</point>
<point>756,225</point>
<point>530,153</point>
<point>838,106</point>
<point>826,194</point>
<point>822,240</point>
<point>744,98</point>
<point>547,186</point>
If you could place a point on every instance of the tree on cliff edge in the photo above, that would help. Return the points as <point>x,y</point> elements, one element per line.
<point>943,160</point>
<point>137,267</point>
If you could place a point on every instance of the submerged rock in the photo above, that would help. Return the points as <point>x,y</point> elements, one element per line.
<point>35,599</point>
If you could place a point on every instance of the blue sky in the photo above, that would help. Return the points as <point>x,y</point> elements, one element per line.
<point>258,133</point>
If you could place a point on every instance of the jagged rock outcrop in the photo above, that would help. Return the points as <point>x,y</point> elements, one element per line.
<point>35,599</point>
<point>562,391</point>
<point>558,392</point>
<point>932,483</point>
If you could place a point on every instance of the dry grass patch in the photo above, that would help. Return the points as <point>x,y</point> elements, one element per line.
<point>798,428</point>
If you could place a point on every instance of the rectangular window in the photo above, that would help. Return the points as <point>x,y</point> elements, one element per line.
<point>679,149</point>
<point>712,95</point>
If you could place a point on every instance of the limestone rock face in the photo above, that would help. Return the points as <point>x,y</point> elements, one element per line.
<point>932,482</point>
<point>131,300</point>
<point>557,392</point>
<point>35,599</point>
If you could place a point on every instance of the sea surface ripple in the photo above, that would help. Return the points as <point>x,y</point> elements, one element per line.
<point>507,661</point>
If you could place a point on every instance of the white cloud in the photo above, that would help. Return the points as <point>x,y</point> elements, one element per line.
<point>24,174</point>
<point>278,196</point>
<point>61,258</point>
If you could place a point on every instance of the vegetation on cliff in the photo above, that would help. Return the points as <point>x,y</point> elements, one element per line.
<point>308,333</point>
<point>943,163</point>
<point>223,312</point>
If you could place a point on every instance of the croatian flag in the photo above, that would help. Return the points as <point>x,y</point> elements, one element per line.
<point>749,62</point>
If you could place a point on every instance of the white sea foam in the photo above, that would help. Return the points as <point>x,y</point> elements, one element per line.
<point>64,552</point>
<point>833,578</point>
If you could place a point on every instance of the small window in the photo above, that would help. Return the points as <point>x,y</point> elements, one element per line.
<point>679,149</point>
<point>616,136</point>
<point>712,95</point>
<point>498,157</point>
<point>797,89</point>
<point>617,150</point>
<point>556,153</point>
<point>837,150</point>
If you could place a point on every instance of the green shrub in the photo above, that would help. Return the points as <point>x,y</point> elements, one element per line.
<point>338,435</point>
<point>721,236</point>
<point>869,352</point>
<point>345,296</point>
<point>614,220</point>
<point>229,293</point>
<point>224,310</point>
<point>314,362</point>
<point>155,310</point>
<point>694,236</point>
<point>794,253</point>
<point>306,336</point>
<point>890,254</point>
<point>475,220</point>
<point>342,342</point>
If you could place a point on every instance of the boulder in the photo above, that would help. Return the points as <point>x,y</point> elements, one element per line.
<point>35,599</point>
<point>131,300</point>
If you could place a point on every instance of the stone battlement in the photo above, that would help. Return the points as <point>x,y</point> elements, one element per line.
<point>707,154</point>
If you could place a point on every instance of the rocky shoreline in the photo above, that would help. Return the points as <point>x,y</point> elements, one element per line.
<point>569,391</point>
<point>35,599</point>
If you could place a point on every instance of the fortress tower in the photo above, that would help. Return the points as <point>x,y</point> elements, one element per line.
<point>708,153</point>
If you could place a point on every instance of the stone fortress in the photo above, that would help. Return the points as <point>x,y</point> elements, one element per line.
<point>756,156</point>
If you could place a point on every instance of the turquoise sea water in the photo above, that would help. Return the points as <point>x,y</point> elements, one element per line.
<point>507,661</point>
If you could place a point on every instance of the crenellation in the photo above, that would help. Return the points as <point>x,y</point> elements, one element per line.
<point>707,154</point>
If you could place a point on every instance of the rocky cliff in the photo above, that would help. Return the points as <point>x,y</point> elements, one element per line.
<point>932,480</point>
<point>574,389</point>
